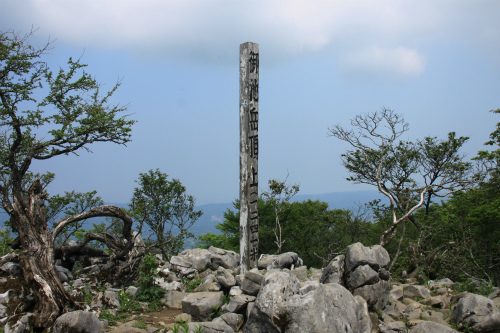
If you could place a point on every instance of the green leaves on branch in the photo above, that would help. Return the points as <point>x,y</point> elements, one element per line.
<point>163,206</point>
<point>73,112</point>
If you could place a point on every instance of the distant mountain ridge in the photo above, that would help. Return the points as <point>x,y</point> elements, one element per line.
<point>213,214</point>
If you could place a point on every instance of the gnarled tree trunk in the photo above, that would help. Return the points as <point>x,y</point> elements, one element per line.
<point>37,257</point>
<point>28,218</point>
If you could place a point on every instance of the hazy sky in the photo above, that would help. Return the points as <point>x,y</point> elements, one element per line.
<point>321,63</point>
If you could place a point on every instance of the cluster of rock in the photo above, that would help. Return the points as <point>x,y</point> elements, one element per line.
<point>353,293</point>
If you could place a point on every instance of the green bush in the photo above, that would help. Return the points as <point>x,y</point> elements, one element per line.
<point>150,292</point>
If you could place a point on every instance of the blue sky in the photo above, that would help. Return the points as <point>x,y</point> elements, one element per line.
<point>321,63</point>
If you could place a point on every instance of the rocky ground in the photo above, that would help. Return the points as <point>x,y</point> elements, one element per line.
<point>205,292</point>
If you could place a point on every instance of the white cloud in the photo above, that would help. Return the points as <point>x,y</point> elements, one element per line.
<point>396,62</point>
<point>210,31</point>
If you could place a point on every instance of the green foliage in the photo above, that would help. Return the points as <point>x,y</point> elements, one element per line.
<point>163,206</point>
<point>128,303</point>
<point>191,285</point>
<point>149,291</point>
<point>177,327</point>
<point>5,239</point>
<point>475,287</point>
<point>140,324</point>
<point>112,319</point>
<point>88,297</point>
<point>309,229</point>
<point>199,329</point>
<point>279,196</point>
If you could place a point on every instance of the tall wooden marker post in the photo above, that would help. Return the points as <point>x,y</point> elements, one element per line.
<point>249,155</point>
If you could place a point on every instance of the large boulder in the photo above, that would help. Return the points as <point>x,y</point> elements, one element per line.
<point>431,327</point>
<point>358,254</point>
<point>227,259</point>
<point>239,303</point>
<point>334,271</point>
<point>251,282</point>
<point>416,291</point>
<point>198,259</point>
<point>280,307</point>
<point>365,274</point>
<point>283,260</point>
<point>477,313</point>
<point>201,305</point>
<point>211,327</point>
<point>376,295</point>
<point>77,322</point>
<point>362,275</point>
<point>18,323</point>
<point>225,278</point>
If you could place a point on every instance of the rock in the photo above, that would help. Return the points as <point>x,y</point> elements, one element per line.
<point>414,291</point>
<point>111,299</point>
<point>206,284</point>
<point>77,322</point>
<point>279,307</point>
<point>251,282</point>
<point>174,299</point>
<point>132,291</point>
<point>364,320</point>
<point>433,316</point>
<point>362,275</point>
<point>431,327</point>
<point>238,303</point>
<point>384,274</point>
<point>192,258</point>
<point>168,286</point>
<point>494,294</point>
<point>183,317</point>
<point>128,330</point>
<point>211,327</point>
<point>64,274</point>
<point>316,274</point>
<point>235,291</point>
<point>233,320</point>
<point>440,302</point>
<point>201,305</point>
<point>395,310</point>
<point>11,268</point>
<point>376,295</point>
<point>358,254</point>
<point>477,313</point>
<point>393,327</point>
<point>18,323</point>
<point>225,278</point>
<point>334,271</point>
<point>447,283</point>
<point>300,273</point>
<point>396,293</point>
<point>227,259</point>
<point>308,286</point>
<point>283,260</point>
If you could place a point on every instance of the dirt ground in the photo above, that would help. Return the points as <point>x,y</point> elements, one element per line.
<point>163,317</point>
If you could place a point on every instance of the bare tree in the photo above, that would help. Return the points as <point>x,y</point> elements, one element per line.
<point>279,196</point>
<point>408,173</point>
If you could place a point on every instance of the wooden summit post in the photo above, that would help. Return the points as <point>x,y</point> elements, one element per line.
<point>249,155</point>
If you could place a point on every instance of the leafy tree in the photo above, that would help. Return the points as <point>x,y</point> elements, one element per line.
<point>164,206</point>
<point>408,173</point>
<point>44,115</point>
<point>310,229</point>
<point>279,196</point>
